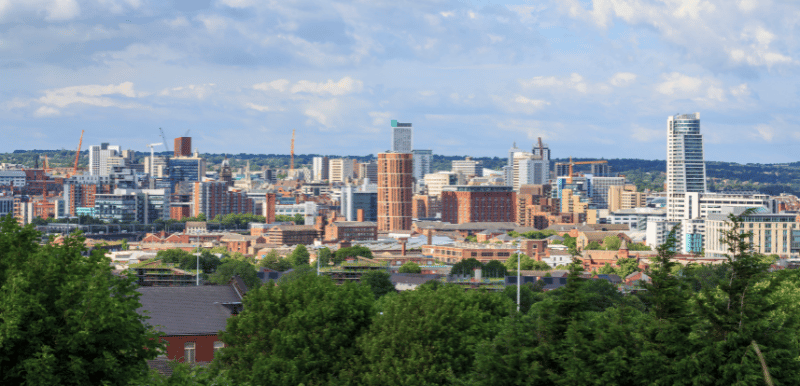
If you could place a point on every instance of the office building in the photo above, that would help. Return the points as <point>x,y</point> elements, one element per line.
<point>14,178</point>
<point>773,233</point>
<point>368,171</point>
<point>364,198</point>
<point>156,167</point>
<point>395,190</point>
<point>422,163</point>
<point>341,169</point>
<point>465,204</point>
<point>102,157</point>
<point>435,182</point>
<point>183,147</point>
<point>599,188</point>
<point>542,150</point>
<point>319,168</point>
<point>142,205</point>
<point>186,169</point>
<point>686,169</point>
<point>508,170</point>
<point>468,167</point>
<point>621,197</point>
<point>529,169</point>
<point>402,137</point>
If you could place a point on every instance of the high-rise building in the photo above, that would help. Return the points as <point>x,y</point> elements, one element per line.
<point>464,204</point>
<point>422,163</point>
<point>621,197</point>
<point>319,168</point>
<point>364,198</point>
<point>395,191</point>
<point>435,182</point>
<point>103,157</point>
<point>402,137</point>
<point>213,198</point>
<point>368,171</point>
<point>509,169</point>
<point>341,169</point>
<point>528,169</point>
<point>183,147</point>
<point>686,169</point>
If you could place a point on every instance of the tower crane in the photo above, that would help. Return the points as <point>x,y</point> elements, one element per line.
<point>77,155</point>
<point>152,156</point>
<point>571,164</point>
<point>164,137</point>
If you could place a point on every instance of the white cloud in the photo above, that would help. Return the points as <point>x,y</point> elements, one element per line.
<point>213,23</point>
<point>622,79</point>
<point>94,95</point>
<point>191,91</point>
<point>238,3</point>
<point>278,85</point>
<point>536,103</point>
<point>325,113</point>
<point>740,90</point>
<point>262,108</point>
<point>344,86</point>
<point>46,111</point>
<point>765,132</point>
<point>642,134</point>
<point>677,83</point>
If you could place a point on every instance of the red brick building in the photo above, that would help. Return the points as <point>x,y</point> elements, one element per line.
<point>351,230</point>
<point>395,190</point>
<point>269,208</point>
<point>214,198</point>
<point>465,204</point>
<point>183,147</point>
<point>425,206</point>
<point>292,234</point>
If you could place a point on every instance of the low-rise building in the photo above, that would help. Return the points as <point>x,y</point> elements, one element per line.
<point>351,230</point>
<point>292,234</point>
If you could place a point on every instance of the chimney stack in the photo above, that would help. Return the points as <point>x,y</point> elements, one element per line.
<point>360,215</point>
<point>403,242</point>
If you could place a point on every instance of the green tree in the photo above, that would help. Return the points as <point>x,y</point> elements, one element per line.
<point>357,250</point>
<point>378,282</point>
<point>409,267</point>
<point>494,268</point>
<point>124,245</point>
<point>466,267</point>
<point>65,318</point>
<point>324,255</point>
<point>627,266</point>
<point>300,256</point>
<point>429,337</point>
<point>230,268</point>
<point>611,243</point>
<point>274,262</point>
<point>593,246</point>
<point>301,331</point>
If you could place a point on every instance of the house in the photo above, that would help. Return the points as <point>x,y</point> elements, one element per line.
<point>191,317</point>
<point>410,281</point>
<point>636,278</point>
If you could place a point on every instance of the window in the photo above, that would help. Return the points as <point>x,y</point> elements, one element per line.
<point>218,346</point>
<point>189,352</point>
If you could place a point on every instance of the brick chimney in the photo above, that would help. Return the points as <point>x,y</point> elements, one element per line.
<point>430,236</point>
<point>360,215</point>
<point>403,242</point>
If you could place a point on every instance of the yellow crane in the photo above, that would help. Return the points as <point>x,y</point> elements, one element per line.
<point>571,164</point>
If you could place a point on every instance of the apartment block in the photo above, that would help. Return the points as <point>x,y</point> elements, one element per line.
<point>395,190</point>
<point>468,167</point>
<point>214,198</point>
<point>622,197</point>
<point>773,233</point>
<point>465,204</point>
<point>183,147</point>
<point>341,170</point>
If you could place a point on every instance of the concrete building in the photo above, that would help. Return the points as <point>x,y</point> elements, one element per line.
<point>508,170</point>
<point>773,233</point>
<point>158,165</point>
<point>183,147</point>
<point>320,167</point>
<point>402,137</point>
<point>422,163</point>
<point>14,178</point>
<point>435,182</point>
<point>466,204</point>
<point>186,169</point>
<point>368,171</point>
<point>622,197</point>
<point>309,210</point>
<point>635,218</point>
<point>686,168</point>
<point>468,167</point>
<point>102,156</point>
<point>141,205</point>
<point>395,190</point>
<point>341,170</point>
<point>529,169</point>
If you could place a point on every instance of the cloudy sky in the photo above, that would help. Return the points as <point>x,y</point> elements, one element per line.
<point>593,78</point>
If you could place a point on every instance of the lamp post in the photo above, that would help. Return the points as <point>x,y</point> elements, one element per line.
<point>519,276</point>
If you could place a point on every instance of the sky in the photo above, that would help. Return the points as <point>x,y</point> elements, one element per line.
<point>592,78</point>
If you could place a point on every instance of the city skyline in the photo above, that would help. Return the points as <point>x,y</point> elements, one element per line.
<point>592,80</point>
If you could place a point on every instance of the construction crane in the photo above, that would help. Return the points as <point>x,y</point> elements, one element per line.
<point>571,164</point>
<point>46,165</point>
<point>187,133</point>
<point>292,165</point>
<point>152,156</point>
<point>164,137</point>
<point>77,155</point>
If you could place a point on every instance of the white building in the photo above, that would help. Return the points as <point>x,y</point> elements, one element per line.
<point>635,218</point>
<point>402,137</point>
<point>320,167</point>
<point>435,182</point>
<point>308,209</point>
<point>468,167</point>
<point>529,169</point>
<point>12,178</point>
<point>686,169</point>
<point>341,170</point>
<point>103,157</point>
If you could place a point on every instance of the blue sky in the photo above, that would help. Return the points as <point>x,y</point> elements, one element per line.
<point>593,78</point>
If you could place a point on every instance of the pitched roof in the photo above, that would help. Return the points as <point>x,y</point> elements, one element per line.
<point>192,310</point>
<point>598,235</point>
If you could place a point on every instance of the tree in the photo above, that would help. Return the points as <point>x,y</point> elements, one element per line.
<point>429,337</point>
<point>230,268</point>
<point>65,318</point>
<point>409,267</point>
<point>124,245</point>
<point>274,262</point>
<point>593,246</point>
<point>378,282</point>
<point>300,256</point>
<point>357,250</point>
<point>466,267</point>
<point>627,266</point>
<point>494,268</point>
<point>301,331</point>
<point>611,243</point>
<point>324,256</point>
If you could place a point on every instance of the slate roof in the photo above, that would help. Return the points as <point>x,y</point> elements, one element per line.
<point>192,310</point>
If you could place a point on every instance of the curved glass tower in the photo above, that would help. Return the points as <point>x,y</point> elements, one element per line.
<point>686,169</point>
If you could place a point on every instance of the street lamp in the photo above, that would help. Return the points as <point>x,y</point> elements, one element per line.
<point>519,276</point>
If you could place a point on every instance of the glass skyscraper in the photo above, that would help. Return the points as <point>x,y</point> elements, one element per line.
<point>686,169</point>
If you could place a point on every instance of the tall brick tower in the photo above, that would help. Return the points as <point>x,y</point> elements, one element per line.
<point>183,147</point>
<point>395,191</point>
